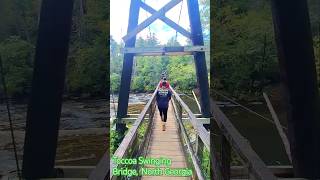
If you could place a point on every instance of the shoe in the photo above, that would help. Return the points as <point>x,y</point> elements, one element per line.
<point>163,126</point>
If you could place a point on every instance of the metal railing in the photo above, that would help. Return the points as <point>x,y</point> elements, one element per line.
<point>132,145</point>
<point>231,139</point>
<point>202,139</point>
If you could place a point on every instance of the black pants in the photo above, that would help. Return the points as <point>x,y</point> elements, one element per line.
<point>164,112</point>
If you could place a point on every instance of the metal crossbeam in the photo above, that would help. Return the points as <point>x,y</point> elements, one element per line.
<point>164,51</point>
<point>151,19</point>
<point>168,21</point>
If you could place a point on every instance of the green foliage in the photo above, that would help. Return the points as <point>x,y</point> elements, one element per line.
<point>16,56</point>
<point>115,82</point>
<point>205,163</point>
<point>87,66</point>
<point>87,63</point>
<point>245,56</point>
<point>113,141</point>
<point>147,70</point>
<point>87,70</point>
<point>182,73</point>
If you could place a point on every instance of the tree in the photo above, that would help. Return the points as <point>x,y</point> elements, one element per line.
<point>244,56</point>
<point>15,55</point>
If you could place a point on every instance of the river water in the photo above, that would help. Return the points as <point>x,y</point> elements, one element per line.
<point>134,100</point>
<point>82,133</point>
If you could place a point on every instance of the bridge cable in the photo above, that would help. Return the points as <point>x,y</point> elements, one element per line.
<point>149,29</point>
<point>179,20</point>
<point>183,94</point>
<point>114,106</point>
<point>246,108</point>
<point>4,85</point>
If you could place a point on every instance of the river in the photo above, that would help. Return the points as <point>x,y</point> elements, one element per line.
<point>82,133</point>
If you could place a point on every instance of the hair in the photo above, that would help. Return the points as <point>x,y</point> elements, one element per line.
<point>164,78</point>
<point>164,84</point>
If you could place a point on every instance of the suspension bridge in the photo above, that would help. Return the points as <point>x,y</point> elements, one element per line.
<point>144,138</point>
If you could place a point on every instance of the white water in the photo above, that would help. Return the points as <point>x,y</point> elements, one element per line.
<point>139,98</point>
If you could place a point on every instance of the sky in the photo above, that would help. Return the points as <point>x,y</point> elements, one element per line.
<point>119,14</point>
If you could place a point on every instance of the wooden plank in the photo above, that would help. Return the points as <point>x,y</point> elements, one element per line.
<point>173,158</point>
<point>174,164</point>
<point>165,152</point>
<point>169,148</point>
<point>241,145</point>
<point>166,20</point>
<point>151,19</point>
<point>283,136</point>
<point>166,140</point>
<point>170,135</point>
<point>163,144</point>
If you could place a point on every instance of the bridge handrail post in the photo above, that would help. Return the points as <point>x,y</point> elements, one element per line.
<point>199,148</point>
<point>225,156</point>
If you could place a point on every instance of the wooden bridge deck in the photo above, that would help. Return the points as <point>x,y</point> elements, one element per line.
<point>166,144</point>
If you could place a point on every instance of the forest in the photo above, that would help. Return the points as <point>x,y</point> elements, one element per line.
<point>87,67</point>
<point>243,53</point>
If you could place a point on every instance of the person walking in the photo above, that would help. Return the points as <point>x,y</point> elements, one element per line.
<point>164,80</point>
<point>163,97</point>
